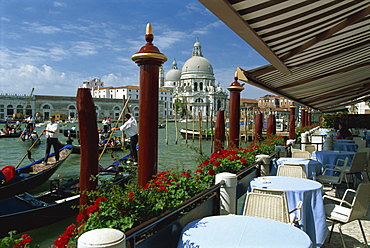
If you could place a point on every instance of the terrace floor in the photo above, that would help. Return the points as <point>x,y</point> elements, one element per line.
<point>351,231</point>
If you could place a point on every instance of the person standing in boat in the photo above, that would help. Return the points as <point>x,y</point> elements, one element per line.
<point>52,134</point>
<point>130,128</point>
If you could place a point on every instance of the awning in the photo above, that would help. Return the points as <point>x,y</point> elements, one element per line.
<point>319,50</point>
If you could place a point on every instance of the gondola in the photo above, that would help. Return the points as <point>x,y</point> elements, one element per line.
<point>194,134</point>
<point>25,212</point>
<point>11,135</point>
<point>16,181</point>
<point>70,133</point>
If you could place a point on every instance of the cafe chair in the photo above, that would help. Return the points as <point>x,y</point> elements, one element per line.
<point>336,171</point>
<point>301,154</point>
<point>310,148</point>
<point>292,170</point>
<point>343,211</point>
<point>357,166</point>
<point>271,204</point>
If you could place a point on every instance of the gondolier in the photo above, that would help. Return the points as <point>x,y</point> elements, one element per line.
<point>52,133</point>
<point>130,128</point>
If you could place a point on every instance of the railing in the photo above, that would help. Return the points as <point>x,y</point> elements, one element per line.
<point>133,234</point>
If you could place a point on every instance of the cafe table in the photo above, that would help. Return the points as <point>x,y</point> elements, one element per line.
<point>241,231</point>
<point>344,141</point>
<point>313,220</point>
<point>345,146</point>
<point>331,157</point>
<point>312,166</point>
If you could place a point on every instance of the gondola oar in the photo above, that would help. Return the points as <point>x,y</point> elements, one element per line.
<point>28,151</point>
<point>115,125</point>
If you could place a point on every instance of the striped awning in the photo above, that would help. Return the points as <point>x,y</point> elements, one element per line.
<point>319,50</point>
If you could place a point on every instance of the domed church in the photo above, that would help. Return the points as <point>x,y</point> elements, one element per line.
<point>195,85</point>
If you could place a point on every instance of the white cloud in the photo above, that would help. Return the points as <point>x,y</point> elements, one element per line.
<point>38,28</point>
<point>4,19</point>
<point>84,48</point>
<point>45,80</point>
<point>59,4</point>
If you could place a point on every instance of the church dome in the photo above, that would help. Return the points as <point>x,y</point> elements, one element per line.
<point>197,64</point>
<point>174,74</point>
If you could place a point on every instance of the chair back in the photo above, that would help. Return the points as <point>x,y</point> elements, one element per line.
<point>301,154</point>
<point>360,203</point>
<point>310,148</point>
<point>270,206</point>
<point>359,162</point>
<point>292,170</point>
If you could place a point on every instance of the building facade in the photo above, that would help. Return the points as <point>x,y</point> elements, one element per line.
<point>195,85</point>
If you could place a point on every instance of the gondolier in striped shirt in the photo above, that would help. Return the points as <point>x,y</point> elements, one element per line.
<point>52,134</point>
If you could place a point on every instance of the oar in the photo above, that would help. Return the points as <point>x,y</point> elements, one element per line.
<point>20,136</point>
<point>29,149</point>
<point>115,125</point>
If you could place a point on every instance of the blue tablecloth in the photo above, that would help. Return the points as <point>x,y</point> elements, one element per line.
<point>241,231</point>
<point>344,141</point>
<point>311,165</point>
<point>313,220</point>
<point>342,146</point>
<point>331,157</point>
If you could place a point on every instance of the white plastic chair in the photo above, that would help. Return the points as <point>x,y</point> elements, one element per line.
<point>301,154</point>
<point>343,212</point>
<point>270,204</point>
<point>292,170</point>
<point>358,165</point>
<point>337,173</point>
<point>310,148</point>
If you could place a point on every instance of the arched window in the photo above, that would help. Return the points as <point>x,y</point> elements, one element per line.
<point>9,110</point>
<point>200,86</point>
<point>195,86</point>
<point>20,109</point>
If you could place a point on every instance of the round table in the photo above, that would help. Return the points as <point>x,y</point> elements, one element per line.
<point>313,220</point>
<point>331,157</point>
<point>241,231</point>
<point>344,141</point>
<point>344,146</point>
<point>312,166</point>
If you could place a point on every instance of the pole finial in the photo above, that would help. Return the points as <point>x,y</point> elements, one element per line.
<point>149,29</point>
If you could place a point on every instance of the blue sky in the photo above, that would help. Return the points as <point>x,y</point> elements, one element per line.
<point>53,46</point>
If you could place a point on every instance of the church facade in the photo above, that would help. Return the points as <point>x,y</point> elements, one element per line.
<point>195,86</point>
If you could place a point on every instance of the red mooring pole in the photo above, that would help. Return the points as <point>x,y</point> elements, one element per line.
<point>149,59</point>
<point>219,140</point>
<point>271,126</point>
<point>292,121</point>
<point>88,134</point>
<point>235,88</point>
<point>258,127</point>
<point>303,117</point>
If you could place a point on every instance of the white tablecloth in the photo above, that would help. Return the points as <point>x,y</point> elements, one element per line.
<point>313,220</point>
<point>311,165</point>
<point>226,231</point>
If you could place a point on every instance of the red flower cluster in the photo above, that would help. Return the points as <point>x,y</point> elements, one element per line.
<point>63,239</point>
<point>165,179</point>
<point>25,240</point>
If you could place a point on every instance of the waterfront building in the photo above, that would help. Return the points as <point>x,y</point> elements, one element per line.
<point>194,87</point>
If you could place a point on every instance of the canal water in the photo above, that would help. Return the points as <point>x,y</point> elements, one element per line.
<point>175,153</point>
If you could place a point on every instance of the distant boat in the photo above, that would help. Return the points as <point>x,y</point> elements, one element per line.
<point>190,134</point>
<point>161,125</point>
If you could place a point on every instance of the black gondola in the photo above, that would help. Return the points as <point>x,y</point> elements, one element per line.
<point>26,212</point>
<point>16,181</point>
